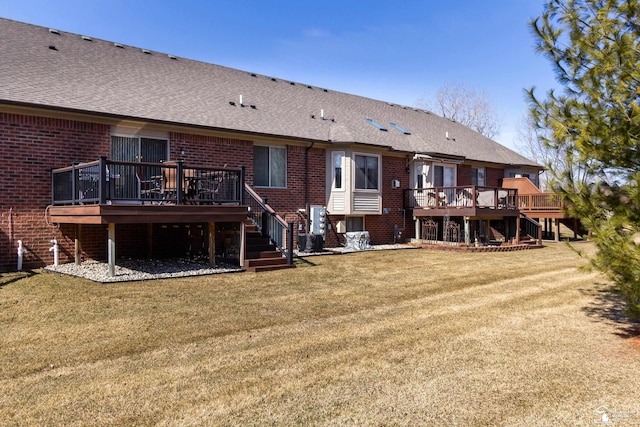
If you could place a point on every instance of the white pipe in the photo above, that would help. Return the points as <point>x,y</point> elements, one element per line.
<point>21,251</point>
<point>55,250</point>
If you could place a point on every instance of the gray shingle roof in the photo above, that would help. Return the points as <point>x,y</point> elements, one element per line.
<point>67,71</point>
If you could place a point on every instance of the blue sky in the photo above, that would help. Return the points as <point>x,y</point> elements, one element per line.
<point>396,51</point>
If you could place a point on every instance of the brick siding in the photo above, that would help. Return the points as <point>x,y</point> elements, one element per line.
<point>30,147</point>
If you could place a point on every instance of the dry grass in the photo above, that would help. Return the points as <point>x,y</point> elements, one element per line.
<point>379,338</point>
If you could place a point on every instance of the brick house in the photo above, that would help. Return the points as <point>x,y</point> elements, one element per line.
<point>92,133</point>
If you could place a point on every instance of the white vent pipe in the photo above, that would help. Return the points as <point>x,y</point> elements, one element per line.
<point>21,251</point>
<point>55,250</point>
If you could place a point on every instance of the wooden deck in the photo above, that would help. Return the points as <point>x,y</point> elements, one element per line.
<point>145,214</point>
<point>466,201</point>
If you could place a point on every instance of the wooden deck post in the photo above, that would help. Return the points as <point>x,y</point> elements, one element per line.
<point>78,245</point>
<point>212,244</point>
<point>556,222</point>
<point>467,231</point>
<point>111,249</point>
<point>518,230</point>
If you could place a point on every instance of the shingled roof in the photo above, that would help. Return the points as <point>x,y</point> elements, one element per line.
<point>56,69</point>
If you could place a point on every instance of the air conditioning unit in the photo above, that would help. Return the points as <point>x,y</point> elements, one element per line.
<point>395,183</point>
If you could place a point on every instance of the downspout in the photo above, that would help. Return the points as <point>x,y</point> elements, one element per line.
<point>307,246</point>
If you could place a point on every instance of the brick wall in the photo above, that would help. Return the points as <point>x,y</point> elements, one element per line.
<point>494,177</point>
<point>30,147</point>
<point>465,175</point>
<point>381,227</point>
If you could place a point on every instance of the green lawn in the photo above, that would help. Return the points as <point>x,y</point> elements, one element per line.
<point>409,337</point>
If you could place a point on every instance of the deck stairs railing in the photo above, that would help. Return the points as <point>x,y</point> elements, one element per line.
<point>530,227</point>
<point>270,224</point>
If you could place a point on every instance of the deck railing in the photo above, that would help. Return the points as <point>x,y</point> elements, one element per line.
<point>279,232</point>
<point>111,182</point>
<point>539,202</point>
<point>461,197</point>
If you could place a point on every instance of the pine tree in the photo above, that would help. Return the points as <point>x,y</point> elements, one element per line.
<point>594,48</point>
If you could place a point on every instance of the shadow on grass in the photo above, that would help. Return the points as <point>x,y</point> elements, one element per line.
<point>300,261</point>
<point>8,278</point>
<point>609,305</point>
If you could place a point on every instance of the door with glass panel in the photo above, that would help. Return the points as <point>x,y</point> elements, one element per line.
<point>133,182</point>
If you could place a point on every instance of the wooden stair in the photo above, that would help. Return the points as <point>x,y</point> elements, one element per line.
<point>261,255</point>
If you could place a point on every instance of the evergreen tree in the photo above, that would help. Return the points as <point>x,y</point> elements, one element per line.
<point>594,48</point>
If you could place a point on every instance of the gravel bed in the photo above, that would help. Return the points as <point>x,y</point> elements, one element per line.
<point>135,269</point>
<point>342,250</point>
<point>128,270</point>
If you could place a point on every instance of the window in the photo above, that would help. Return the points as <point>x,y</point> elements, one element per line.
<point>367,172</point>
<point>444,176</point>
<point>478,177</point>
<point>400,128</point>
<point>355,223</point>
<point>338,170</point>
<point>269,166</point>
<point>376,124</point>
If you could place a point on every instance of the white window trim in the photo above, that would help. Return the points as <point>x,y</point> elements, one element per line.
<point>354,171</point>
<point>333,171</point>
<point>286,166</point>
<point>444,165</point>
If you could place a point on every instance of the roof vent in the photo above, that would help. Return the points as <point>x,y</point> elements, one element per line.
<point>52,31</point>
<point>87,38</point>
<point>172,57</point>
<point>253,74</point>
<point>309,87</point>
<point>52,47</point>
<point>118,45</point>
<point>233,104</point>
<point>253,107</point>
<point>273,79</point>
<point>292,83</point>
<point>325,90</point>
<point>145,51</point>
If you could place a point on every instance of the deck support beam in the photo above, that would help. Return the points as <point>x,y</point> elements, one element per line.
<point>212,244</point>
<point>78,245</point>
<point>111,248</point>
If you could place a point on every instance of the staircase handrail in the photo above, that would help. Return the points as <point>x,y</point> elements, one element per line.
<point>533,225</point>
<point>270,223</point>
